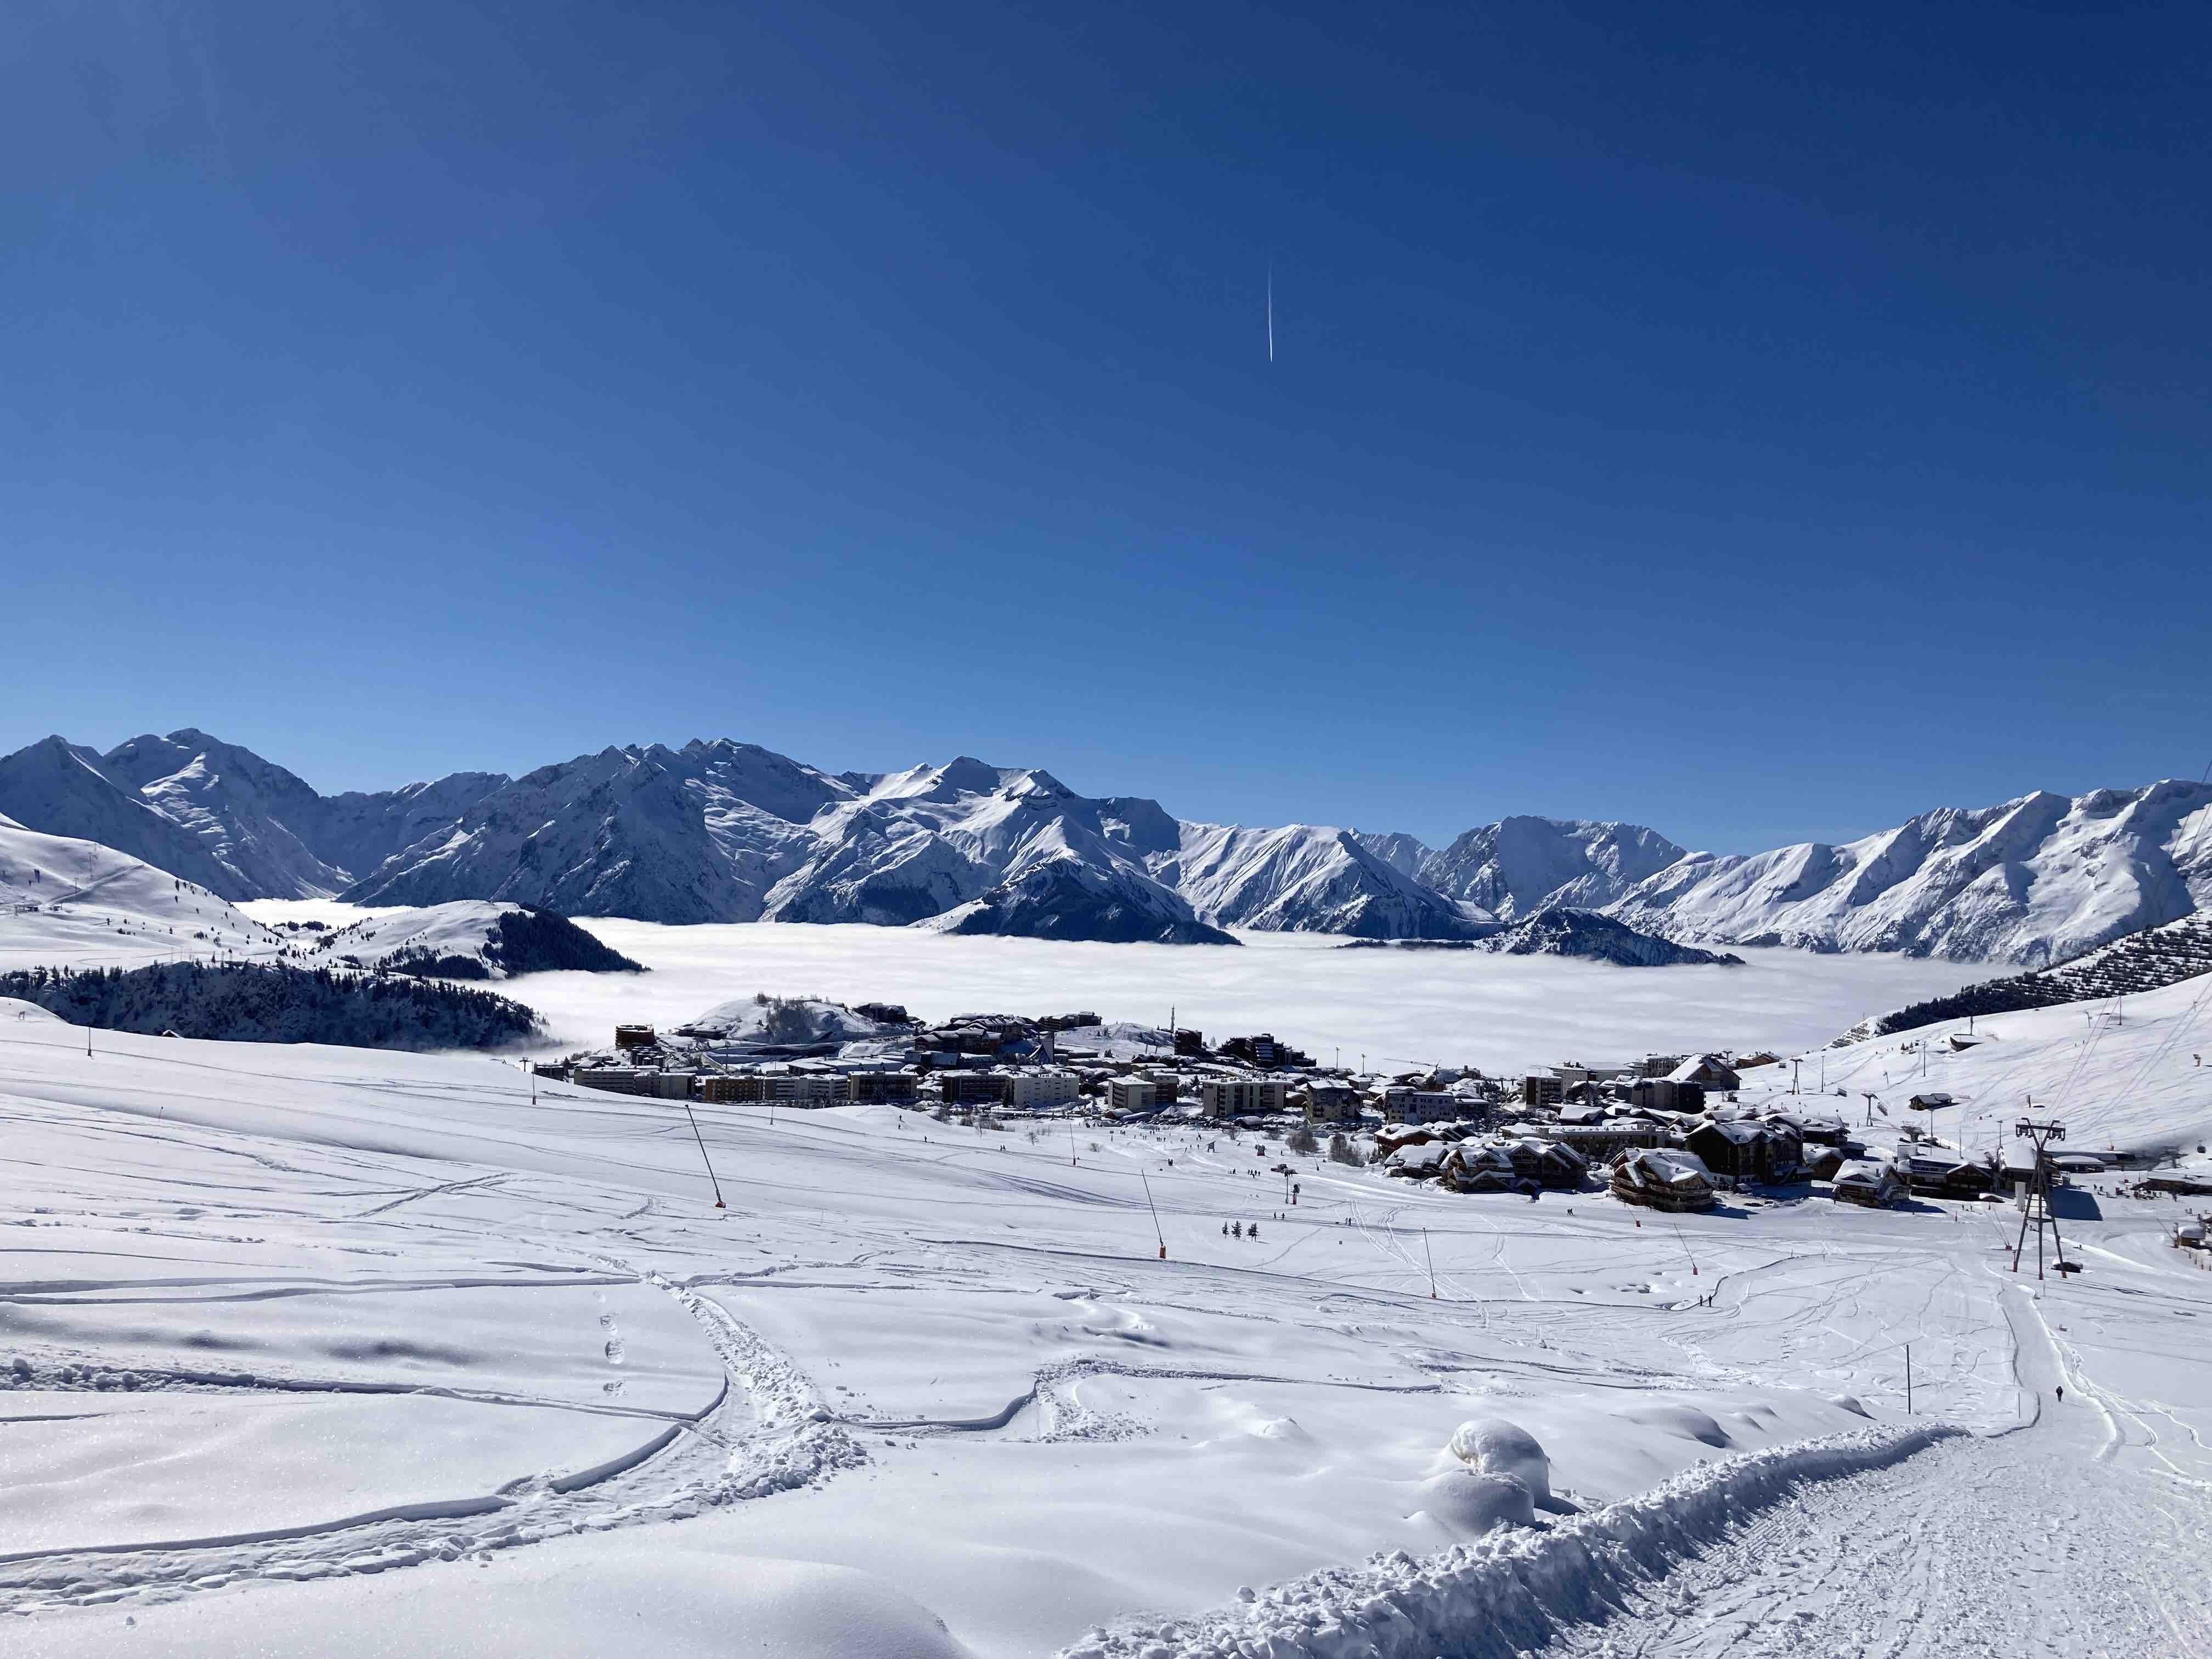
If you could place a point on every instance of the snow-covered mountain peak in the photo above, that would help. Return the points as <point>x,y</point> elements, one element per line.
<point>719,829</point>
<point>2031,880</point>
<point>1523,864</point>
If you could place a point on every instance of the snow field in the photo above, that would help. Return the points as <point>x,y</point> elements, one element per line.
<point>914,1373</point>
<point>71,903</point>
<point>2123,1076</point>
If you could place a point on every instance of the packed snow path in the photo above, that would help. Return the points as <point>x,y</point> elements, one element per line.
<point>2026,1545</point>
<point>2069,1535</point>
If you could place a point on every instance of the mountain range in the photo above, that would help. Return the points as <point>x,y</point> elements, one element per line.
<point>728,831</point>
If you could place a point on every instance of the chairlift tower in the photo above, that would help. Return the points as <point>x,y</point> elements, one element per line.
<point>2035,1201</point>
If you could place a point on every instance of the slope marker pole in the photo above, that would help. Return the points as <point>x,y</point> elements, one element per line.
<point>703,1158</point>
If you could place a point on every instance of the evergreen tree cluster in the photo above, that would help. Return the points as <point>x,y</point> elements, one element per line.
<point>276,1002</point>
<point>2136,963</point>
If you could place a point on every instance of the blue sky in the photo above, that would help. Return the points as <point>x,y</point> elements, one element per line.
<point>1762,422</point>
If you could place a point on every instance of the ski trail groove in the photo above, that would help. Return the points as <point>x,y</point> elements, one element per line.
<point>765,1432</point>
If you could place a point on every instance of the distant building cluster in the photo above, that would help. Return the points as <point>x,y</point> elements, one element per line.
<point>1664,1131</point>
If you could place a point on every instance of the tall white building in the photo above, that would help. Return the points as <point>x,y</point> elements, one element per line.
<point>1035,1089</point>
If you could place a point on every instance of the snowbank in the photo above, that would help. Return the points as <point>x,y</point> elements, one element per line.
<point>1509,1590</point>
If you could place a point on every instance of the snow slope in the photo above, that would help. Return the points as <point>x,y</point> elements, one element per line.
<point>674,835</point>
<point>1301,879</point>
<point>466,938</point>
<point>249,815</point>
<point>315,1350</point>
<point>970,848</point>
<point>1519,865</point>
<point>368,1355</point>
<point>2131,1079</point>
<point>2033,882</point>
<point>72,903</point>
<point>2134,963</point>
<point>59,789</point>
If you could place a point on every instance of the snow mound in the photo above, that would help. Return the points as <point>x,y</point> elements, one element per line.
<point>1495,1447</point>
<point>16,1008</point>
<point>1468,1504</point>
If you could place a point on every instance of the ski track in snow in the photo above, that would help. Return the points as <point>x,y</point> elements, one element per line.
<point>2030,1542</point>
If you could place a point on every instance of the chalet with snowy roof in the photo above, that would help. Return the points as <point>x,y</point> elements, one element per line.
<point>1599,1143</point>
<point>1821,1162</point>
<point>1547,1163</point>
<point>1826,1129</point>
<point>1867,1183</point>
<point>1744,1151</point>
<point>1941,1173</point>
<point>1707,1072</point>
<point>1482,1170</point>
<point>1662,1178</point>
<point>1423,1163</point>
<point>1663,1094</point>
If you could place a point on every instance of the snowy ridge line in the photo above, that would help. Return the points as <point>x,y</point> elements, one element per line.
<point>1512,1591</point>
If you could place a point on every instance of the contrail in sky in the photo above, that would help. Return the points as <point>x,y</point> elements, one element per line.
<point>1271,311</point>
